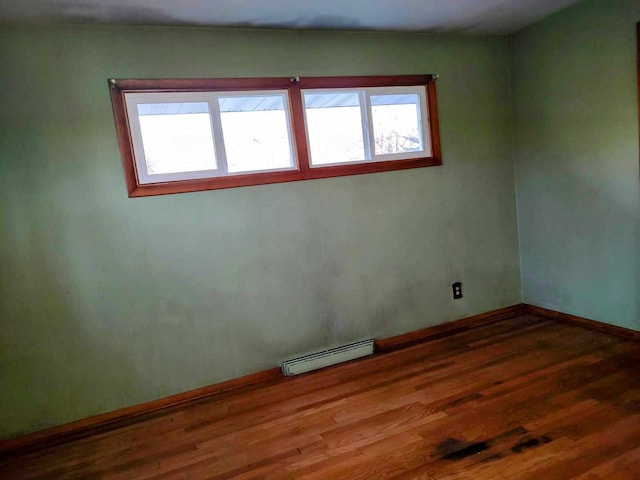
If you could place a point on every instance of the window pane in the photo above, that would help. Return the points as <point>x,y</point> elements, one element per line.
<point>256,134</point>
<point>176,137</point>
<point>396,123</point>
<point>334,126</point>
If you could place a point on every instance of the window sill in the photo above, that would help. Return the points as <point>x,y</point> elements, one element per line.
<point>167,188</point>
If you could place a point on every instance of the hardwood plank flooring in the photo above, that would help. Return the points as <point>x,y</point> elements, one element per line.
<point>524,398</point>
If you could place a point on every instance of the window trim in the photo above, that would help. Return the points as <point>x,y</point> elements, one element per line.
<point>304,171</point>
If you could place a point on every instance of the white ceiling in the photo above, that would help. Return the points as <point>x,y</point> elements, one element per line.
<point>459,16</point>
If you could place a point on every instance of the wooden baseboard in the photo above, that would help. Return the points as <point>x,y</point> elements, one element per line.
<point>445,329</point>
<point>582,322</point>
<point>126,416</point>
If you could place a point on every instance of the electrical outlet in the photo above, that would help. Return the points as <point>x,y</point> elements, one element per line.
<point>457,290</point>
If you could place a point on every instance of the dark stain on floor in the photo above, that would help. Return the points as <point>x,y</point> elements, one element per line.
<point>454,449</point>
<point>490,458</point>
<point>529,443</point>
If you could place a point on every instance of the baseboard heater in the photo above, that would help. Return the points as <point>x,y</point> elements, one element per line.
<point>325,358</point>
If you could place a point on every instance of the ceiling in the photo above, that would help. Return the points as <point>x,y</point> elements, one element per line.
<point>436,16</point>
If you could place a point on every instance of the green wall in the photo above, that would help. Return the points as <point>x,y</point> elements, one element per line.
<point>576,150</point>
<point>107,301</point>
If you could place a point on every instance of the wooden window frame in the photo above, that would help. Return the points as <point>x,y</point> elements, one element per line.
<point>120,87</point>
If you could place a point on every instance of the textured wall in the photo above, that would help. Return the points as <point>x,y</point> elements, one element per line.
<point>575,102</point>
<point>107,301</point>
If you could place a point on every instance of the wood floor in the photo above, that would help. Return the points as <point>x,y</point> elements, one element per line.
<point>520,399</point>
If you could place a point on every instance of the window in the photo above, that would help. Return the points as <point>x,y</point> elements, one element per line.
<point>200,134</point>
<point>184,136</point>
<point>366,125</point>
